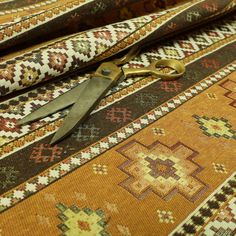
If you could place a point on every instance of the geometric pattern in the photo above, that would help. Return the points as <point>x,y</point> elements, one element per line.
<point>68,165</point>
<point>216,127</point>
<point>231,87</point>
<point>146,99</point>
<point>165,171</point>
<point>165,217</point>
<point>77,50</point>
<point>159,131</point>
<point>219,168</point>
<point>171,86</point>
<point>29,15</point>
<point>224,221</point>
<point>212,96</point>
<point>8,175</point>
<point>84,221</point>
<point>83,49</point>
<point>10,126</point>
<point>35,16</point>
<point>57,61</point>
<point>118,115</point>
<point>23,105</point>
<point>45,153</point>
<point>28,75</point>
<point>86,132</point>
<point>25,5</point>
<point>99,169</point>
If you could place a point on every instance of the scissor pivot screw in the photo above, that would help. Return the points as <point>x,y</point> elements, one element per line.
<point>106,72</point>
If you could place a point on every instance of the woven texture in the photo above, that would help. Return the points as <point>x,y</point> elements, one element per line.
<point>27,20</point>
<point>74,52</point>
<point>154,158</point>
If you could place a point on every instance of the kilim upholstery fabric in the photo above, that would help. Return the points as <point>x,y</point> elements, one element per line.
<point>82,49</point>
<point>26,20</point>
<point>155,158</point>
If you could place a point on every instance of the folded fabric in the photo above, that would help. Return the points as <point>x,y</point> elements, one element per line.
<point>190,120</point>
<point>77,51</point>
<point>23,20</point>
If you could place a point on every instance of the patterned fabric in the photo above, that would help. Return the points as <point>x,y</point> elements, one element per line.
<point>74,52</point>
<point>154,158</point>
<point>24,20</point>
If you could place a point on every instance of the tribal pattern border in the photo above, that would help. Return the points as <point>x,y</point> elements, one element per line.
<point>83,48</point>
<point>27,8</point>
<point>208,208</point>
<point>86,48</point>
<point>20,27</point>
<point>73,162</point>
<point>189,50</point>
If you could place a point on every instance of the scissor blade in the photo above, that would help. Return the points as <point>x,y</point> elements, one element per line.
<point>55,105</point>
<point>96,88</point>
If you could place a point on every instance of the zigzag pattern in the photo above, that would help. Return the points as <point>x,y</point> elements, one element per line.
<point>70,164</point>
<point>65,56</point>
<point>80,50</point>
<point>22,105</point>
<point>190,226</point>
<point>27,8</point>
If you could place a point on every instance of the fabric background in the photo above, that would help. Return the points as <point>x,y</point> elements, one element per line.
<point>82,49</point>
<point>154,158</point>
<point>23,20</point>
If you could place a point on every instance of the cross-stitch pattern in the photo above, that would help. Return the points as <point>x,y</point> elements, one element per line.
<point>154,157</point>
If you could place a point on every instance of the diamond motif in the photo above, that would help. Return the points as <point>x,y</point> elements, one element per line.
<point>8,74</point>
<point>85,221</point>
<point>162,170</point>
<point>29,75</point>
<point>57,61</point>
<point>103,34</point>
<point>82,46</point>
<point>216,127</point>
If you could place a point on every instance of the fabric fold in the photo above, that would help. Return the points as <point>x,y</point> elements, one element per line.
<point>28,21</point>
<point>74,52</point>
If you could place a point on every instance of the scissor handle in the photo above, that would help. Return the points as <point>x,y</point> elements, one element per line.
<point>152,69</point>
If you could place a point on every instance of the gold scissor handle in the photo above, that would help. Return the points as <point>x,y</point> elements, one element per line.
<point>152,69</point>
<point>133,52</point>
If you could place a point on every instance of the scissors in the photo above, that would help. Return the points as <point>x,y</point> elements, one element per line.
<point>86,96</point>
